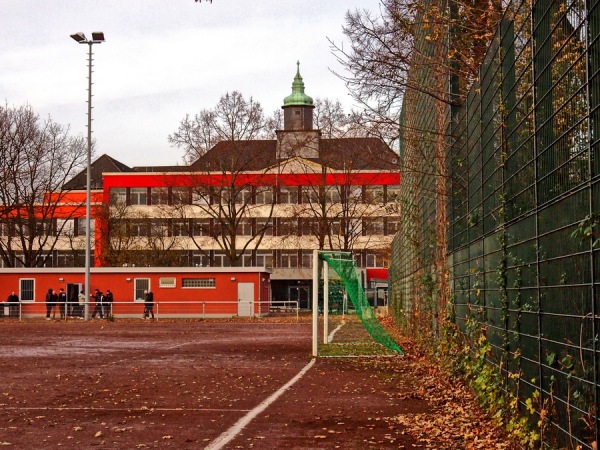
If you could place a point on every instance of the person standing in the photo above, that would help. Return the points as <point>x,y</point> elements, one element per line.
<point>13,300</point>
<point>51,299</point>
<point>81,306</point>
<point>108,300</point>
<point>72,305</point>
<point>62,302</point>
<point>98,299</point>
<point>148,304</point>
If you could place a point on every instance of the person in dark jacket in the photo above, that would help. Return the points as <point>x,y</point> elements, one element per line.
<point>51,299</point>
<point>148,304</point>
<point>99,300</point>
<point>62,302</point>
<point>13,300</point>
<point>108,299</point>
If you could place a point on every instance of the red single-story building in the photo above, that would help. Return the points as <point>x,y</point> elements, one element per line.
<point>178,292</point>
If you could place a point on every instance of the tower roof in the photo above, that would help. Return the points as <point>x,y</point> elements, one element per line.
<point>298,97</point>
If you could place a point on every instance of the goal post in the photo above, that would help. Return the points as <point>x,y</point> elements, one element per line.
<point>343,264</point>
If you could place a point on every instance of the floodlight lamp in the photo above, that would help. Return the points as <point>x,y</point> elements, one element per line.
<point>98,36</point>
<point>79,37</point>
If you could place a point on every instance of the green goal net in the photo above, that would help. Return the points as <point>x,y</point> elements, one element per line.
<point>344,266</point>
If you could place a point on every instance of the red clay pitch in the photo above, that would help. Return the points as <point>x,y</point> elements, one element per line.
<point>180,384</point>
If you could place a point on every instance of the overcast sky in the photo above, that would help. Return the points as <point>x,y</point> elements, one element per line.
<point>163,59</point>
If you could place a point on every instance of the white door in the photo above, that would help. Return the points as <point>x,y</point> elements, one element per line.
<point>245,299</point>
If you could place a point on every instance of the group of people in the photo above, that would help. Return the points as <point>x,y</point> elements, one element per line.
<point>75,307</point>
<point>103,303</point>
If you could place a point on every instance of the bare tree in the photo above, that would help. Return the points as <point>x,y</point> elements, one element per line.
<point>410,66</point>
<point>232,119</point>
<point>135,237</point>
<point>339,207</point>
<point>229,198</point>
<point>330,118</point>
<point>38,158</point>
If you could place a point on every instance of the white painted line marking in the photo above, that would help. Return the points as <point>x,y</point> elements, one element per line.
<point>330,337</point>
<point>234,430</point>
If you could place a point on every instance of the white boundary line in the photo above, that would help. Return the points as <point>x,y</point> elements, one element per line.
<point>234,430</point>
<point>330,337</point>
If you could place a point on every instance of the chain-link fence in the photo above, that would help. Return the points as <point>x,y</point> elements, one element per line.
<point>523,210</point>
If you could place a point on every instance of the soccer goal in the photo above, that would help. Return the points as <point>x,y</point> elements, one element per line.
<point>344,266</point>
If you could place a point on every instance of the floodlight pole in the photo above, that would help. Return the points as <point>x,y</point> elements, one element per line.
<point>315,304</point>
<point>97,38</point>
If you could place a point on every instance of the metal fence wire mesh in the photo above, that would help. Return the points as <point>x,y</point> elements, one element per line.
<point>523,213</point>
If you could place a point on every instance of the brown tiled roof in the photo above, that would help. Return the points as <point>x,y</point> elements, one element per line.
<point>238,156</point>
<point>100,166</point>
<point>340,154</point>
<point>357,154</point>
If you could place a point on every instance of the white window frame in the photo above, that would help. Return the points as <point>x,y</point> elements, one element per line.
<point>140,281</point>
<point>138,196</point>
<point>264,195</point>
<point>167,282</point>
<point>159,195</point>
<point>118,196</point>
<point>21,290</point>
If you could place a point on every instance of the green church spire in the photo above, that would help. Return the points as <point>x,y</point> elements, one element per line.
<point>298,97</point>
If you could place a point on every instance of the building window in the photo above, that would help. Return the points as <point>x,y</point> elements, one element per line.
<point>167,282</point>
<point>374,227</point>
<point>200,259</point>
<point>180,196</point>
<point>264,195</point>
<point>138,196</point>
<point>118,196</point>
<point>264,226</point>
<point>393,193</point>
<point>159,228</point>
<point>375,260</point>
<point>200,196</point>
<point>310,227</point>
<point>141,285</point>
<point>264,258</point>
<point>247,259</point>
<point>243,196</point>
<point>336,228</point>
<point>287,227</point>
<point>244,227</point>
<point>138,228</point>
<point>374,194</point>
<point>201,227</point>
<point>307,259</point>
<point>181,228</point>
<point>392,225</point>
<point>221,260</point>
<point>289,259</point>
<point>81,224</point>
<point>198,283</point>
<point>26,289</point>
<point>288,194</point>
<point>64,259</point>
<point>353,193</point>
<point>64,227</point>
<point>159,195</point>
<point>310,194</point>
<point>332,194</point>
